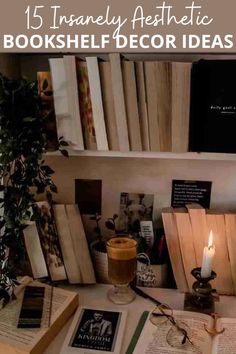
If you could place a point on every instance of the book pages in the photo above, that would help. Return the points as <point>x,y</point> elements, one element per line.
<point>14,340</point>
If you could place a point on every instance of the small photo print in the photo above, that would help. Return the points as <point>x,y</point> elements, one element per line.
<point>96,330</point>
<point>134,207</point>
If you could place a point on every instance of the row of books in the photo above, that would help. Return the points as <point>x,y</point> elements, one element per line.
<point>57,246</point>
<point>121,105</point>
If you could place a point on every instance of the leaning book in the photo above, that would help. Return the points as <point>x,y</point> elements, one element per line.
<point>162,339</point>
<point>59,305</point>
<point>95,330</point>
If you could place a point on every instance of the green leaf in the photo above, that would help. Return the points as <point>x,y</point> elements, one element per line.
<point>29,119</point>
<point>63,143</point>
<point>53,188</point>
<point>47,169</point>
<point>64,152</point>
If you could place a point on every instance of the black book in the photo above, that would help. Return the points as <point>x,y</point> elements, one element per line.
<point>213,106</point>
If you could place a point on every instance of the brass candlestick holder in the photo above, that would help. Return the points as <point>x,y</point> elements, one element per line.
<point>203,297</point>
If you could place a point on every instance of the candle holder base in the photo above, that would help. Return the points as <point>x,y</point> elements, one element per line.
<point>203,297</point>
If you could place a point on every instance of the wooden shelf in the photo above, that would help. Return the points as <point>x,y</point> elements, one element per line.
<point>151,155</point>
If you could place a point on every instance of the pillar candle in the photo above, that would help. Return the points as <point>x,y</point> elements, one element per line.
<point>208,255</point>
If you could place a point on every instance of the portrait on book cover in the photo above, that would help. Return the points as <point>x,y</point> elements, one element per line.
<point>96,330</point>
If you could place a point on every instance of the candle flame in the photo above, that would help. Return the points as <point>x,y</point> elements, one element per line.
<point>210,240</point>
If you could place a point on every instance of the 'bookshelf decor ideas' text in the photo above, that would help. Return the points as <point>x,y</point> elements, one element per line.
<point>53,27</point>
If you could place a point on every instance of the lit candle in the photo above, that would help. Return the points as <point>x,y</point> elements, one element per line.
<point>208,255</point>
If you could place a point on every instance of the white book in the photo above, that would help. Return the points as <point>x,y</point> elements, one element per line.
<point>95,330</point>
<point>34,251</point>
<point>73,95</point>
<point>68,252</point>
<point>131,101</point>
<point>142,104</point>
<point>61,102</point>
<point>97,105</point>
<point>119,101</point>
<point>80,244</point>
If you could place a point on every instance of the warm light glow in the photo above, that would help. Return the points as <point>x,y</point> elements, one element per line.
<point>210,240</point>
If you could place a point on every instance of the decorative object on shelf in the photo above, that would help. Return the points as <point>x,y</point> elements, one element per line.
<point>22,144</point>
<point>203,296</point>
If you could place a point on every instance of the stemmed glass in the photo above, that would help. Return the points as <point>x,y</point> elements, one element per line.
<point>122,265</point>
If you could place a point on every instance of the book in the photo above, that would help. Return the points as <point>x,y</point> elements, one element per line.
<point>66,243</point>
<point>60,98</point>
<point>73,96</point>
<point>47,108</point>
<point>119,101</point>
<point>97,105</point>
<point>142,104</point>
<point>213,106</point>
<point>80,245</point>
<point>173,243</point>
<point>59,302</point>
<point>95,330</point>
<point>153,123</point>
<point>35,252</point>
<point>155,339</point>
<point>180,102</point>
<point>85,105</point>
<point>108,105</point>
<point>230,229</point>
<point>158,86</point>
<point>131,102</point>
<point>50,242</point>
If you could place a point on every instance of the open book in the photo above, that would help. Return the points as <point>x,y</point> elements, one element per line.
<point>152,339</point>
<point>33,341</point>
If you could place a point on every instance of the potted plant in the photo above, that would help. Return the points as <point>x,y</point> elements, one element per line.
<point>23,172</point>
<point>98,247</point>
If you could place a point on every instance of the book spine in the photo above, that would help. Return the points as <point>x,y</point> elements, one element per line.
<point>151,89</point>
<point>180,73</point>
<point>131,100</point>
<point>74,109</point>
<point>142,105</point>
<point>108,105</point>
<point>85,104</point>
<point>97,106</point>
<point>119,102</point>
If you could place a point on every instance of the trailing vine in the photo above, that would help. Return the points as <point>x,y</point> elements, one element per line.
<point>23,171</point>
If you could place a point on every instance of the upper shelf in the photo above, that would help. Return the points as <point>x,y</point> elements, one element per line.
<point>151,155</point>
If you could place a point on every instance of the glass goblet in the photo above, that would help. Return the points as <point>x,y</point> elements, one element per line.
<point>122,265</point>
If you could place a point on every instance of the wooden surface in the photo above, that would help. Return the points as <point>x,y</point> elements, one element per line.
<point>95,295</point>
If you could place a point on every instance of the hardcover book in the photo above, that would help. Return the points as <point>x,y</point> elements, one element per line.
<point>213,106</point>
